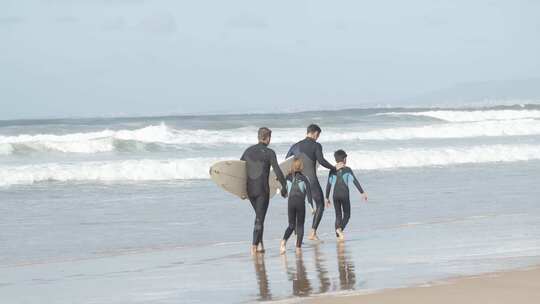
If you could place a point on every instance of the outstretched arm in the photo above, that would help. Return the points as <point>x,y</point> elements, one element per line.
<point>357,184</point>
<point>321,159</point>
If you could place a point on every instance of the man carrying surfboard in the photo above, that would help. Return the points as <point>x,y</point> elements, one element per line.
<point>259,158</point>
<point>310,151</point>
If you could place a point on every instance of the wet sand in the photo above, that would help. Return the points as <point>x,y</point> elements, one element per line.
<point>519,286</point>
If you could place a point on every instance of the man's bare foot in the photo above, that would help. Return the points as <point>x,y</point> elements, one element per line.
<point>260,248</point>
<point>341,235</point>
<point>313,235</point>
<point>298,250</point>
<point>282,247</point>
<point>253,250</point>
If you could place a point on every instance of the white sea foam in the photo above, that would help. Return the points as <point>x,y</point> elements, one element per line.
<point>463,116</point>
<point>450,130</point>
<point>197,168</point>
<point>88,142</point>
<point>6,149</point>
<point>108,171</point>
<point>401,158</point>
<point>104,141</point>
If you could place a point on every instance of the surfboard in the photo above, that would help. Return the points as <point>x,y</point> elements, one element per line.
<point>285,166</point>
<point>231,176</point>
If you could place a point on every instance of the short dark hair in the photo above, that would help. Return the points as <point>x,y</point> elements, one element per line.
<point>264,133</point>
<point>313,128</point>
<point>340,155</point>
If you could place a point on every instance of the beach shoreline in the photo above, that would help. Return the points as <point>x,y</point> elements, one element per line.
<point>510,286</point>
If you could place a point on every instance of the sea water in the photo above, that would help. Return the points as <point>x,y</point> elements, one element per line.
<point>122,210</point>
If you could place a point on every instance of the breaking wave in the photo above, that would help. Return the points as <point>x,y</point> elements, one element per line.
<point>109,140</point>
<point>197,168</point>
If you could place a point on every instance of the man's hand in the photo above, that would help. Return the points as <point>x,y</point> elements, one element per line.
<point>364,196</point>
<point>328,203</point>
<point>339,166</point>
<point>284,192</point>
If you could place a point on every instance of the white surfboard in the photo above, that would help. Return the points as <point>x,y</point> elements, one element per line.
<point>285,166</point>
<point>231,176</point>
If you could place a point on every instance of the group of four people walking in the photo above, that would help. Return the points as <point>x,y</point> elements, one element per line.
<point>299,184</point>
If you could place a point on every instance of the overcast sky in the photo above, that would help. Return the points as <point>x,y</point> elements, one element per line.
<point>63,58</point>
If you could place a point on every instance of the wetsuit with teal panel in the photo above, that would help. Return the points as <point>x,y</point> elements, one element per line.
<point>311,152</point>
<point>299,189</point>
<point>340,180</point>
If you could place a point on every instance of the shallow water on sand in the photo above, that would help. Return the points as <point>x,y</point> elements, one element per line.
<point>187,242</point>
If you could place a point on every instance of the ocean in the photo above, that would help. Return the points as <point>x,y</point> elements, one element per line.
<point>122,210</point>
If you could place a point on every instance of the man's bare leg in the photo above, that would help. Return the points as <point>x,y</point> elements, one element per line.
<point>282,247</point>
<point>253,250</point>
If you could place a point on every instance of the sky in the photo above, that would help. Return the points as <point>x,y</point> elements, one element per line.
<point>73,58</point>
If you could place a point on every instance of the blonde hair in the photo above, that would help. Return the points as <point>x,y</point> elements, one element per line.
<point>297,165</point>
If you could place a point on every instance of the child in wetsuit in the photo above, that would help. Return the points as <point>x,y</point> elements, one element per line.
<point>340,179</point>
<point>298,189</point>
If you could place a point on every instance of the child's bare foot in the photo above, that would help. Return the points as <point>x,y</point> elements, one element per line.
<point>341,235</point>
<point>260,248</point>
<point>313,235</point>
<point>298,250</point>
<point>282,247</point>
<point>253,250</point>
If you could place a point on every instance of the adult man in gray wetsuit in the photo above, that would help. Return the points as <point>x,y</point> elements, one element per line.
<point>311,152</point>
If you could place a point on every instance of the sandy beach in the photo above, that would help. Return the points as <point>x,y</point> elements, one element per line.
<point>519,286</point>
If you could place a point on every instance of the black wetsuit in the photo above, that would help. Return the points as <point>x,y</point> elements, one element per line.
<point>311,152</point>
<point>258,159</point>
<point>340,180</point>
<point>298,188</point>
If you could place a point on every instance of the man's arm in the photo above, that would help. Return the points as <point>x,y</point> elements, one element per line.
<point>329,184</point>
<point>277,170</point>
<point>320,158</point>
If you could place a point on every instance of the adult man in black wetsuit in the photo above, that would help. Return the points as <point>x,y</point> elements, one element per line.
<point>258,159</point>
<point>311,152</point>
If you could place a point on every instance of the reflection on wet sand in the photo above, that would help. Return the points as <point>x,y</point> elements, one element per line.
<point>262,278</point>
<point>347,277</point>
<point>322,273</point>
<point>299,276</point>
